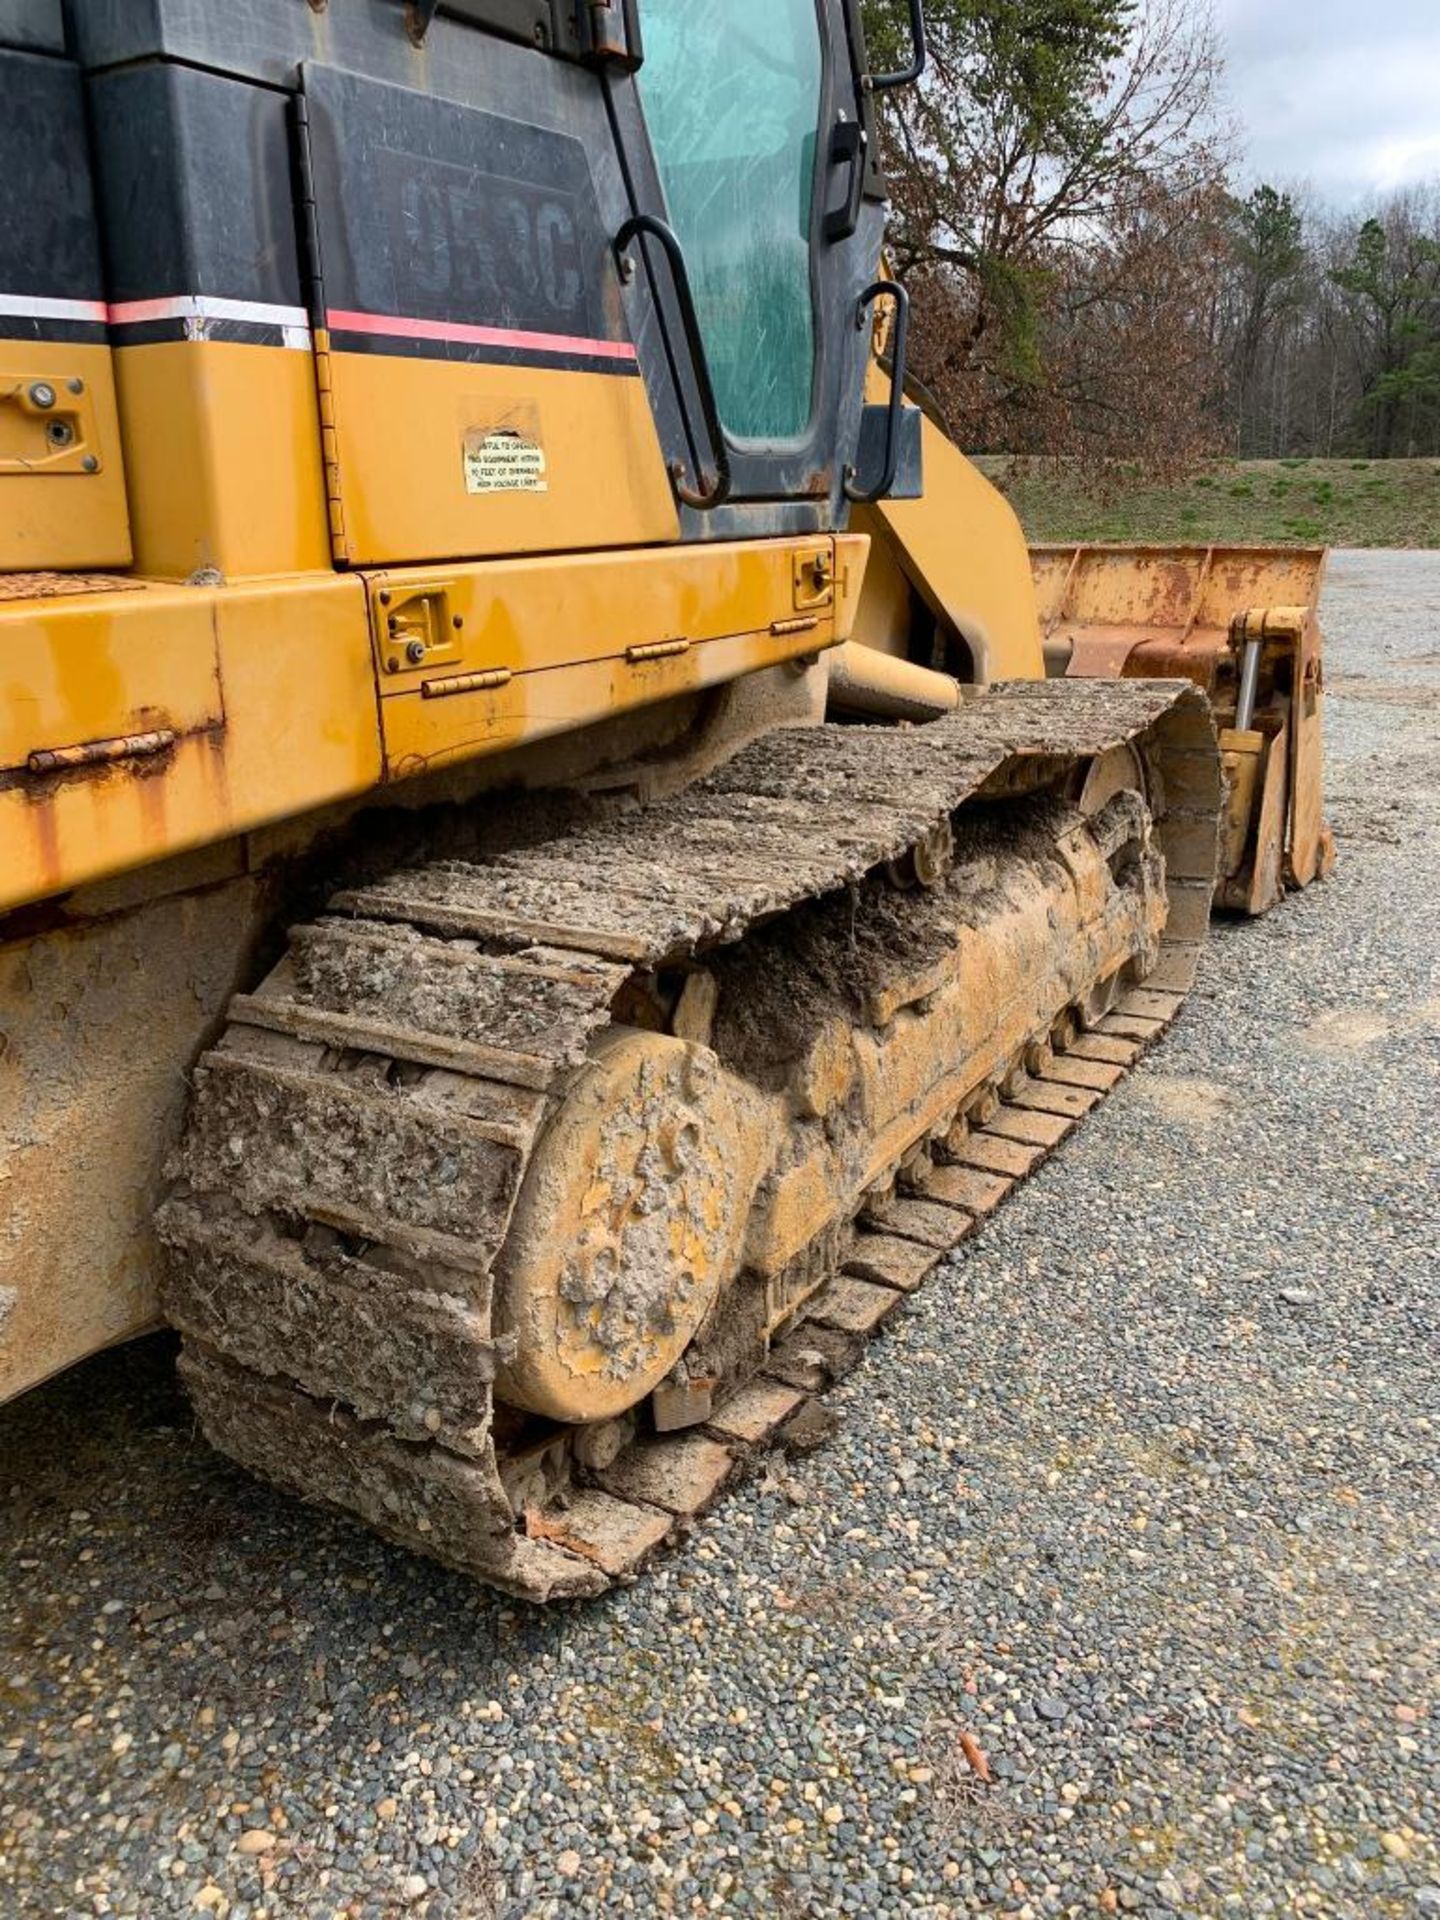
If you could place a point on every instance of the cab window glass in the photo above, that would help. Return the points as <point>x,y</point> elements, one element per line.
<point>731,90</point>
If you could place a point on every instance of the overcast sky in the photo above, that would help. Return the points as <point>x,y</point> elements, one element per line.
<point>1345,93</point>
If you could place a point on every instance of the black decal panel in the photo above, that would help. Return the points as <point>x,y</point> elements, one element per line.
<point>473,235</point>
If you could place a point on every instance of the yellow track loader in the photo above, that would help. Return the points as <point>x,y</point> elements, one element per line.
<point>543,880</point>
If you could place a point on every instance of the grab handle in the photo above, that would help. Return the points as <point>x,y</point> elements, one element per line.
<point>877,290</point>
<point>712,490</point>
<point>907,76</point>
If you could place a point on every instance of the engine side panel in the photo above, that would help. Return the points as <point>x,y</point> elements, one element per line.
<point>62,482</point>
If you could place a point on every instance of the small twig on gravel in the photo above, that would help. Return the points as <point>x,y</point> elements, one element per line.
<point>966,1797</point>
<point>481,1890</point>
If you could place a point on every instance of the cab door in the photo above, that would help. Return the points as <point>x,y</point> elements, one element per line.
<point>745,127</point>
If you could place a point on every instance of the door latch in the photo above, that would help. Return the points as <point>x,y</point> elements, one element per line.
<point>414,626</point>
<point>813,574</point>
<point>47,425</point>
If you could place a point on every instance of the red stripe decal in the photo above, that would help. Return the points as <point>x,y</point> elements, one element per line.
<point>342,320</point>
<point>128,313</point>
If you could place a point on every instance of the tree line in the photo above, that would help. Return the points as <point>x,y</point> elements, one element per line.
<point>1084,277</point>
<point>1329,326</point>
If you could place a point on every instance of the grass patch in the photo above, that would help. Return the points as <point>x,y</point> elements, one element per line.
<point>1341,503</point>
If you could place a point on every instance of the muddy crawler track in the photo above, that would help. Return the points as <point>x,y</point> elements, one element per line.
<point>359,1137</point>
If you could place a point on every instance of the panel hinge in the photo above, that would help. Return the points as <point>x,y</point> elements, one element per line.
<point>101,753</point>
<point>483,682</point>
<point>656,650</point>
<point>312,270</point>
<point>609,33</point>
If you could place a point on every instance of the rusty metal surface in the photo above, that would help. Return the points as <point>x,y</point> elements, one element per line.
<point>56,586</point>
<point>102,753</point>
<point>1161,611</point>
<point>1186,612</point>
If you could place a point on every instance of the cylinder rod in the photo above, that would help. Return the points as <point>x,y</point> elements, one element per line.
<point>1249,680</point>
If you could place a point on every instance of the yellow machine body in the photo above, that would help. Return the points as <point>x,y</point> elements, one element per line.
<point>165,747</point>
<point>168,750</point>
<point>145,718</point>
<point>167,744</point>
<point>429,897</point>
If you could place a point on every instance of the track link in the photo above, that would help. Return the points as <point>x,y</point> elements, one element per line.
<point>360,1137</point>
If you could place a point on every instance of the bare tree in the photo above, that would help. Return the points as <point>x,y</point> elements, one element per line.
<point>1059,189</point>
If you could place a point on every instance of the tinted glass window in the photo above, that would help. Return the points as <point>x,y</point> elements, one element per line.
<point>732,96</point>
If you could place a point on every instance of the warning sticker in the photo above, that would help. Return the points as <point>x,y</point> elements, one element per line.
<point>506,455</point>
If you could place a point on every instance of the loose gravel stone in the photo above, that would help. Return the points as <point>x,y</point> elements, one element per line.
<point>1156,1450</point>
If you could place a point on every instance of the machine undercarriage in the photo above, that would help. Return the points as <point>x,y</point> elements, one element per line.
<point>521,1198</point>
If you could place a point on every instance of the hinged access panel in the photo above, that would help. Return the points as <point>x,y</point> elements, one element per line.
<point>481,391</point>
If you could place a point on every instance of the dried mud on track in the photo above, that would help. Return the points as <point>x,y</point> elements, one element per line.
<point>1139,1496</point>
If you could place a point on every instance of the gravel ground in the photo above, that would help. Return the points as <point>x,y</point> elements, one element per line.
<point>1140,1496</point>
